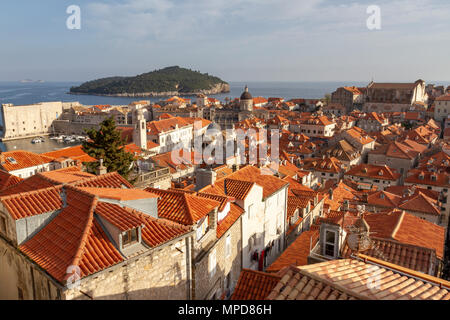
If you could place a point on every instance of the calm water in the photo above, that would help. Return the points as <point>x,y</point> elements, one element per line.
<point>29,93</point>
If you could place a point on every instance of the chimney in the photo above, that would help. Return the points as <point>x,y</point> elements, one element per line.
<point>330,193</point>
<point>101,169</point>
<point>346,205</point>
<point>235,167</point>
<point>204,178</point>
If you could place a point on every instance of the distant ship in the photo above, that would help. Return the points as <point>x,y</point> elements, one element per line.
<point>31,81</point>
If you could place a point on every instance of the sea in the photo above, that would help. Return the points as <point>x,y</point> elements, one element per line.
<point>19,93</point>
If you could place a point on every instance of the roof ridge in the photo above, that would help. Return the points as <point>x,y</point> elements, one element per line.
<point>27,193</point>
<point>185,200</point>
<point>82,245</point>
<point>397,226</point>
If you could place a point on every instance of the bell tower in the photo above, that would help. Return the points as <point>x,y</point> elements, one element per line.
<point>140,129</point>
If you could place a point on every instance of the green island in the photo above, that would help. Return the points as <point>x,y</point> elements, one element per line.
<point>164,82</point>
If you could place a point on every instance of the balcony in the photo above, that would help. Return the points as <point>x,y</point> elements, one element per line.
<point>148,178</point>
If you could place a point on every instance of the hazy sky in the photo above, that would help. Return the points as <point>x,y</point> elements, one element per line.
<point>237,40</point>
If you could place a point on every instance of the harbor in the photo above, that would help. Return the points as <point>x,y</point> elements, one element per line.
<point>47,144</point>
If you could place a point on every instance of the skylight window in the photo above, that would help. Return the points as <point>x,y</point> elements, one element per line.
<point>12,160</point>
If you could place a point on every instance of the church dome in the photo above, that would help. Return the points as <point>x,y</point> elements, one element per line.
<point>246,95</point>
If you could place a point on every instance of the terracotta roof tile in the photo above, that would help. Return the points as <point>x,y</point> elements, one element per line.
<point>254,285</point>
<point>75,153</point>
<point>119,193</point>
<point>402,254</point>
<point>72,238</point>
<point>109,180</point>
<point>409,229</point>
<point>32,203</point>
<point>246,176</point>
<point>22,159</point>
<point>224,225</point>
<point>348,279</point>
<point>373,171</point>
<point>297,253</point>
<point>8,180</point>
<point>159,231</point>
<point>165,125</point>
<point>182,207</point>
<point>118,216</point>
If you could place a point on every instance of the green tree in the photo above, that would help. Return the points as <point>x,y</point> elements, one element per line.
<point>107,144</point>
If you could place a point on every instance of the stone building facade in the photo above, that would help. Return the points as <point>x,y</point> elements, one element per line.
<point>395,97</point>
<point>30,120</point>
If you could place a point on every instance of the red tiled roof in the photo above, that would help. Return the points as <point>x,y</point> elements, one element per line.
<point>182,207</point>
<point>23,159</point>
<point>109,180</point>
<point>86,245</point>
<point>346,279</point>
<point>443,98</point>
<point>229,220</point>
<point>118,216</point>
<point>245,176</point>
<point>294,203</point>
<point>71,175</point>
<point>177,159</point>
<point>254,285</point>
<point>396,150</point>
<point>326,165</point>
<point>407,228</point>
<point>32,203</point>
<point>421,203</point>
<point>164,125</point>
<point>297,253</point>
<point>405,255</point>
<point>373,171</point>
<point>424,177</point>
<point>119,194</point>
<point>75,153</point>
<point>237,188</point>
<point>8,180</point>
<point>360,135</point>
<point>159,231</point>
<point>30,184</point>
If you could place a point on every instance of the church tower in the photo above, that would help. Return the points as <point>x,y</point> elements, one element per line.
<point>246,101</point>
<point>140,129</point>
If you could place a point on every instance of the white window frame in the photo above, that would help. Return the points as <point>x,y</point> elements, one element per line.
<point>250,216</point>
<point>334,244</point>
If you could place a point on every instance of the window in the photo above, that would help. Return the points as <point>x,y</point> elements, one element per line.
<point>228,246</point>
<point>330,243</point>
<point>250,214</point>
<point>130,237</point>
<point>202,227</point>
<point>3,225</point>
<point>212,263</point>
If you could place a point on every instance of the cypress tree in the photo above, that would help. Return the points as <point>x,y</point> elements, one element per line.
<point>107,144</point>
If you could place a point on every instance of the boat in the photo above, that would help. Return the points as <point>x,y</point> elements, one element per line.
<point>59,138</point>
<point>36,140</point>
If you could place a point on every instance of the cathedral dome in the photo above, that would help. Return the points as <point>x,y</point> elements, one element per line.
<point>246,95</point>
